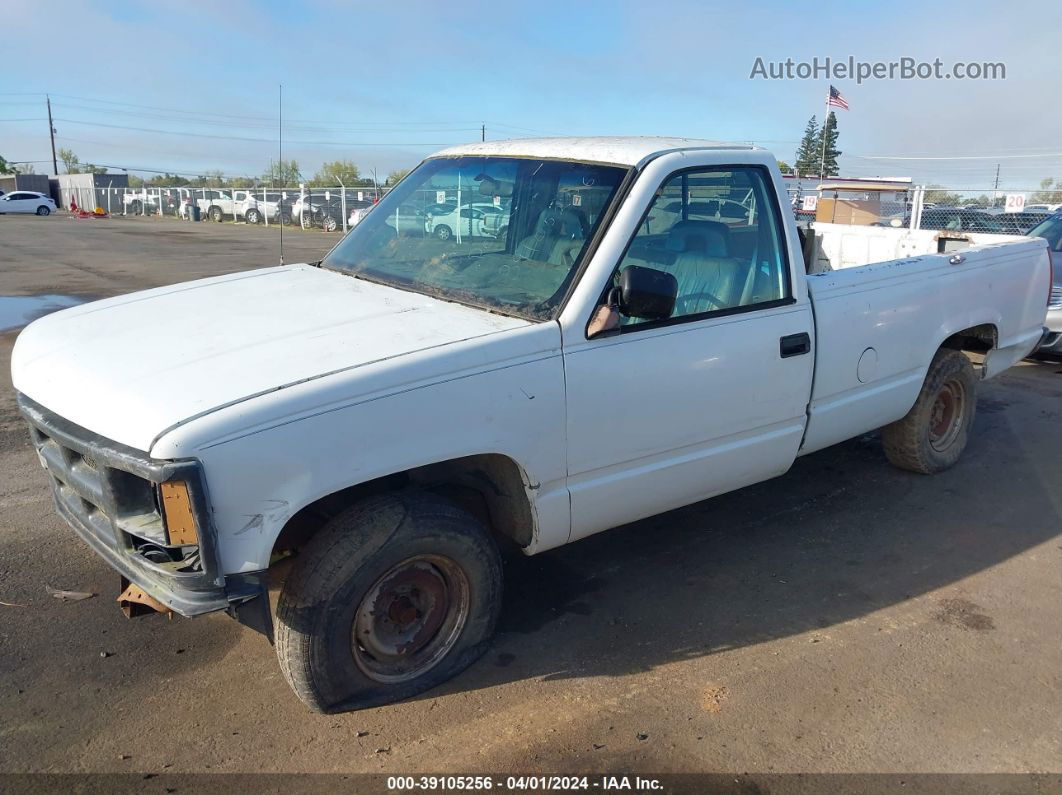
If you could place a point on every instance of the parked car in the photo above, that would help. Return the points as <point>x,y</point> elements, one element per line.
<point>476,220</point>
<point>1050,229</point>
<point>358,213</point>
<point>328,212</point>
<point>407,220</point>
<point>140,202</point>
<point>958,219</point>
<point>26,201</point>
<point>385,417</point>
<point>256,207</point>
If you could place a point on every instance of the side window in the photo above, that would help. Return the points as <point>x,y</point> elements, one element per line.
<point>717,231</point>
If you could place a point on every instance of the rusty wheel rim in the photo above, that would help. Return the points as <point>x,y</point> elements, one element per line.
<point>946,416</point>
<point>410,618</point>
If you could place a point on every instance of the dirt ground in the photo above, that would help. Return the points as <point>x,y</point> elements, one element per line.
<point>847,617</point>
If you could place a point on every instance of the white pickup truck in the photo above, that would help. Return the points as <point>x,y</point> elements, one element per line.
<point>392,415</point>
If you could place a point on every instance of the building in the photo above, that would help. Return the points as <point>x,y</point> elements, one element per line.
<point>38,183</point>
<point>90,190</point>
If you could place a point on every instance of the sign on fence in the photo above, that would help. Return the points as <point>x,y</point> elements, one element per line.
<point>440,197</point>
<point>810,204</point>
<point>1015,203</point>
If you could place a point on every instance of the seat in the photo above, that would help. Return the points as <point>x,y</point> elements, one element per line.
<point>709,278</point>
<point>555,230</point>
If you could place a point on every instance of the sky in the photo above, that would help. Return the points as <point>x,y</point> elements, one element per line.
<point>172,85</point>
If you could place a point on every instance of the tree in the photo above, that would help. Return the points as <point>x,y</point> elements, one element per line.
<point>396,175</point>
<point>784,167</point>
<point>827,164</point>
<point>282,174</point>
<point>7,168</point>
<point>336,172</point>
<point>168,180</point>
<point>807,154</point>
<point>71,162</point>
<point>1050,191</point>
<point>936,194</point>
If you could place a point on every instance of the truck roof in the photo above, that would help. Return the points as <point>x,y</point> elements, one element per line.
<point>620,150</point>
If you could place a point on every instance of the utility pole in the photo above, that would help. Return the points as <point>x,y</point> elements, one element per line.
<point>483,132</point>
<point>51,134</point>
<point>996,188</point>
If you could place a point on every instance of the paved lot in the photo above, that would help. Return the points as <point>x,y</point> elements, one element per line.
<point>844,617</point>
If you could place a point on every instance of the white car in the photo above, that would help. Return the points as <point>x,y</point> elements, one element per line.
<point>357,214</point>
<point>477,220</point>
<point>25,201</point>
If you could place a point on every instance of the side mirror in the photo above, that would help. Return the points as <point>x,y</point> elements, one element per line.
<point>647,294</point>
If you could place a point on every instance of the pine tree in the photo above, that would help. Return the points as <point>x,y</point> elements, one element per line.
<point>807,154</point>
<point>828,164</point>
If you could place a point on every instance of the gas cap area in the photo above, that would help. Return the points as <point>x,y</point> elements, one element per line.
<point>867,369</point>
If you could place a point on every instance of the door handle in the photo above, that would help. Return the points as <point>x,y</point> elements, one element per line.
<point>794,345</point>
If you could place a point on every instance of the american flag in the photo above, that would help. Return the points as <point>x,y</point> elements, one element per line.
<point>836,100</point>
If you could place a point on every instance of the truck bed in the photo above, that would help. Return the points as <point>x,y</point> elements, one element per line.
<point>879,325</point>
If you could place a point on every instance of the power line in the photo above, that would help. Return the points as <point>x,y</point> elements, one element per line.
<point>248,139</point>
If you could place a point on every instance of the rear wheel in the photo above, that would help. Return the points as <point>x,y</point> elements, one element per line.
<point>393,596</point>
<point>934,433</point>
<point>215,214</point>
<point>43,210</point>
<point>329,224</point>
<point>253,217</point>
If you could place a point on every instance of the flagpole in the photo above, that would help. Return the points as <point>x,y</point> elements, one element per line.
<point>825,129</point>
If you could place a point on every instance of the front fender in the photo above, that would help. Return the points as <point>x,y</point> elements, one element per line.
<point>266,459</point>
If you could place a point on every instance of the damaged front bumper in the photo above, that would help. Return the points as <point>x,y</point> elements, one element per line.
<point>109,494</point>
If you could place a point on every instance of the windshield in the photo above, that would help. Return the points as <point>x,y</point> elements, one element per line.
<point>514,247</point>
<point>1051,231</point>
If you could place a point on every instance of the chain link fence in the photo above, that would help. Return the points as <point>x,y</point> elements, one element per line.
<point>330,209</point>
<point>1002,212</point>
<point>335,209</point>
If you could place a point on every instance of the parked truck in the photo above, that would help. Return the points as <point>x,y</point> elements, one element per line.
<point>392,416</point>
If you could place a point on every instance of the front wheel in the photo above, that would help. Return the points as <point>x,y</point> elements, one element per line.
<point>43,210</point>
<point>934,433</point>
<point>394,596</point>
<point>443,232</point>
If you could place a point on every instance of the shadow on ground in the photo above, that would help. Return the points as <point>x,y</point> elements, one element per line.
<point>842,535</point>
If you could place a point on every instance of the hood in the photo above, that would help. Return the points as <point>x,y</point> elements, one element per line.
<point>130,368</point>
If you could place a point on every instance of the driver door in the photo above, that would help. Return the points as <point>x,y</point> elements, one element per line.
<point>663,413</point>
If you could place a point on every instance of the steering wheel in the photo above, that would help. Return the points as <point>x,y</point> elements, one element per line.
<point>685,300</point>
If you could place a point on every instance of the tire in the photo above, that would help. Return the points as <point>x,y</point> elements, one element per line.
<point>215,214</point>
<point>329,224</point>
<point>135,207</point>
<point>253,217</point>
<point>43,210</point>
<point>443,232</point>
<point>934,433</point>
<point>367,563</point>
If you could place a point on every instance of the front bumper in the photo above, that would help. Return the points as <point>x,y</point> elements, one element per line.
<point>106,492</point>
